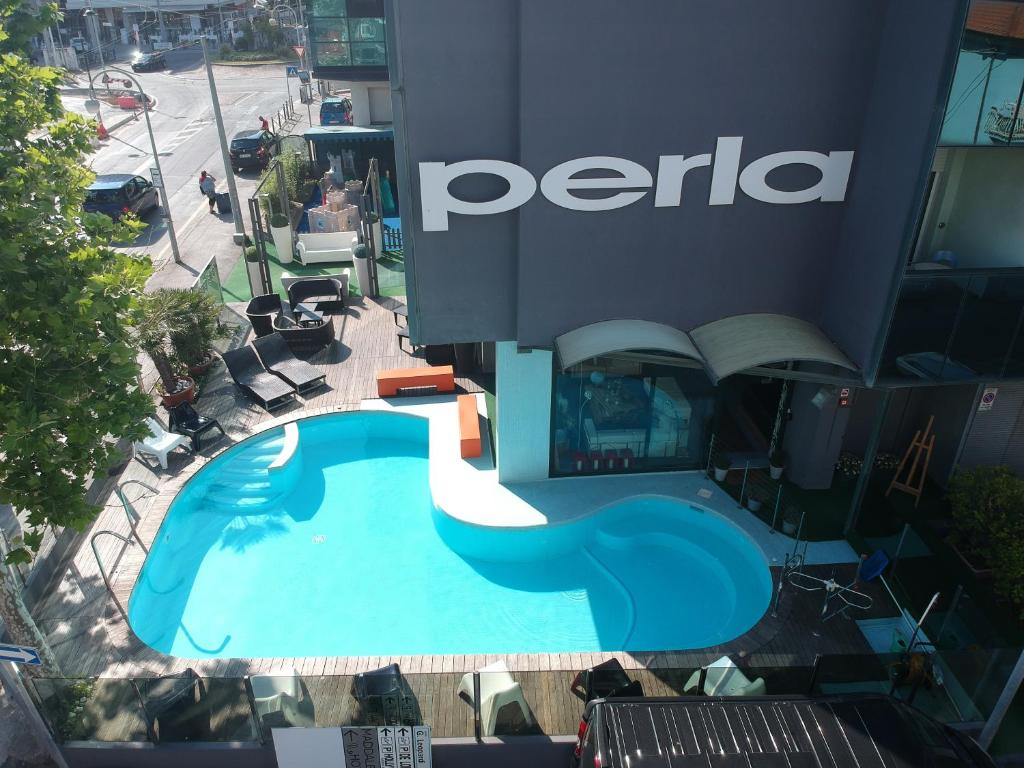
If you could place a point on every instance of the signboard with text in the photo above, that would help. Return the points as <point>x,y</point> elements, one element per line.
<point>988,398</point>
<point>394,746</point>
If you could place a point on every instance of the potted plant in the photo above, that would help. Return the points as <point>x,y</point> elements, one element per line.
<point>721,465</point>
<point>776,463</point>
<point>791,521</point>
<point>198,328</point>
<point>158,317</point>
<point>281,231</point>
<point>987,505</point>
<point>754,501</point>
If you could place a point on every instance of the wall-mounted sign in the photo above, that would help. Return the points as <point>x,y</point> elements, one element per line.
<point>559,183</point>
<point>844,397</point>
<point>988,398</point>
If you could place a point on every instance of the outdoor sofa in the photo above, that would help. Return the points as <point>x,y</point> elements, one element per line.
<point>325,292</point>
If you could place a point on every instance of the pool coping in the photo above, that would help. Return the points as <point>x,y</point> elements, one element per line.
<point>140,660</point>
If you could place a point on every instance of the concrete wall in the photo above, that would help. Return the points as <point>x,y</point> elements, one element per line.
<point>371,102</point>
<point>523,400</point>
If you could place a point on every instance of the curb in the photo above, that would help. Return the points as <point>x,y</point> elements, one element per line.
<point>129,116</point>
<point>270,62</point>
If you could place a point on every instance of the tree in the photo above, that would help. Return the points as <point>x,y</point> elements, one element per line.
<point>68,363</point>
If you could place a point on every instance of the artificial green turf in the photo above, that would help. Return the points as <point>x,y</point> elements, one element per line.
<point>390,275</point>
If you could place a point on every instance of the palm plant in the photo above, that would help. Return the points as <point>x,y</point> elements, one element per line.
<point>158,317</point>
<point>198,327</point>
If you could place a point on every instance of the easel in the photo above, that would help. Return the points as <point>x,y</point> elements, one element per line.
<point>922,444</point>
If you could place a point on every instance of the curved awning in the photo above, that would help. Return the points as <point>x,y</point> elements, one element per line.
<point>736,343</point>
<point>610,336</point>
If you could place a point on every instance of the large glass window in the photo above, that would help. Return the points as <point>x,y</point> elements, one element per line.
<point>348,33</point>
<point>618,415</point>
<point>984,104</point>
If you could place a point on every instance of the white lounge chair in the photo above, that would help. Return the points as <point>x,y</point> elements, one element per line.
<point>725,679</point>
<point>497,690</point>
<point>160,442</point>
<point>279,691</point>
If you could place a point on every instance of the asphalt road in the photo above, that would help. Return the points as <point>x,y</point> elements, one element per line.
<point>186,136</point>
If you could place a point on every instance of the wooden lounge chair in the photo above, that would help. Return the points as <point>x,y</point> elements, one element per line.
<point>248,373</point>
<point>278,358</point>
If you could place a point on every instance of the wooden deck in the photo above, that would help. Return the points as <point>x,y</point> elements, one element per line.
<point>91,638</point>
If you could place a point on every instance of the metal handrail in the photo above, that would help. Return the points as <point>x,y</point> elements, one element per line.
<point>129,508</point>
<point>99,560</point>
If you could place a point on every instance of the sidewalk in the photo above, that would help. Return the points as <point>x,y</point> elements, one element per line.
<point>202,234</point>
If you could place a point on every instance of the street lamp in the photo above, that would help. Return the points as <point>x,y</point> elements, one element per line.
<point>129,81</point>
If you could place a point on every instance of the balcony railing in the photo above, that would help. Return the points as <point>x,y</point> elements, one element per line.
<point>960,325</point>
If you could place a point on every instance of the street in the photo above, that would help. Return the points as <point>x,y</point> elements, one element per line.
<point>186,139</point>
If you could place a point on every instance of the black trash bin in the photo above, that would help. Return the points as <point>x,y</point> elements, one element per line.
<point>223,202</point>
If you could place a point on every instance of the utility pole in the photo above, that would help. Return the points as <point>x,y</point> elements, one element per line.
<point>160,19</point>
<point>236,209</point>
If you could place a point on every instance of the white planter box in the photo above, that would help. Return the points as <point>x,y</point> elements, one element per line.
<point>362,275</point>
<point>283,243</point>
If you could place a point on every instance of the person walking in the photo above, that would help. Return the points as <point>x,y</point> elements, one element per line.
<point>208,186</point>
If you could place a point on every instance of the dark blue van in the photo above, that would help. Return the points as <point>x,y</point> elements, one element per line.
<point>116,194</point>
<point>335,110</point>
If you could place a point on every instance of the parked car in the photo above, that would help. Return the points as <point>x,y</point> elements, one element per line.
<point>768,730</point>
<point>252,149</point>
<point>336,110</point>
<point>147,62</point>
<point>116,194</point>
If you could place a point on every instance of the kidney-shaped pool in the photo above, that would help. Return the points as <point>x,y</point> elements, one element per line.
<point>321,539</point>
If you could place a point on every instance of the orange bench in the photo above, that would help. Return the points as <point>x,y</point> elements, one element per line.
<point>469,427</point>
<point>440,376</point>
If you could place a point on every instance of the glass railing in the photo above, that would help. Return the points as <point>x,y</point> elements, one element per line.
<point>960,325</point>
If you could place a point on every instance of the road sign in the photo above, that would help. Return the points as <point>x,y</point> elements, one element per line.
<point>844,397</point>
<point>291,71</point>
<point>988,398</point>
<point>393,746</point>
<point>299,50</point>
<point>154,174</point>
<point>20,654</point>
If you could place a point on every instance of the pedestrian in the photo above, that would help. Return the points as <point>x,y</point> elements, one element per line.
<point>264,125</point>
<point>208,186</point>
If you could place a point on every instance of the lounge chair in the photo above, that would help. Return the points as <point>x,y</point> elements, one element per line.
<point>160,442</point>
<point>277,357</point>
<point>276,696</point>
<point>252,378</point>
<point>605,681</point>
<point>184,420</point>
<point>500,695</point>
<point>384,697</point>
<point>725,679</point>
<point>261,311</point>
<point>325,292</point>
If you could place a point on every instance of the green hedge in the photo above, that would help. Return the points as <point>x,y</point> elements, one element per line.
<point>256,56</point>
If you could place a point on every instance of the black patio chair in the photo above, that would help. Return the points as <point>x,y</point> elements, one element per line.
<point>248,373</point>
<point>278,358</point>
<point>605,681</point>
<point>261,311</point>
<point>324,292</point>
<point>384,697</point>
<point>311,337</point>
<point>185,420</point>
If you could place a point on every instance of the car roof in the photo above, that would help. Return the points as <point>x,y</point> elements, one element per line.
<point>111,180</point>
<point>254,134</point>
<point>335,100</point>
<point>797,731</point>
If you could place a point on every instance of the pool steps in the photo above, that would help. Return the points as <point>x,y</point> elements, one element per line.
<point>258,479</point>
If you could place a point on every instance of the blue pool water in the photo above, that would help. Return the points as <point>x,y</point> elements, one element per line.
<point>341,552</point>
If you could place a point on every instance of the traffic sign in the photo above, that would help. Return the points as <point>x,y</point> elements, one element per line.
<point>988,398</point>
<point>392,746</point>
<point>299,50</point>
<point>20,654</point>
<point>291,71</point>
<point>154,174</point>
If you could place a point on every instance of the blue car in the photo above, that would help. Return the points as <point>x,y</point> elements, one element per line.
<point>116,194</point>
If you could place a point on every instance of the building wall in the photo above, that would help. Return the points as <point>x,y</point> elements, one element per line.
<point>997,436</point>
<point>528,85</point>
<point>523,400</point>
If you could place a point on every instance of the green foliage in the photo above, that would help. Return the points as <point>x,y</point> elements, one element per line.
<point>68,369</point>
<point>66,708</point>
<point>278,220</point>
<point>200,316</point>
<point>161,317</point>
<point>988,519</point>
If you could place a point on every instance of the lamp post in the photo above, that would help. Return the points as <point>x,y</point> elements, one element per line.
<point>298,26</point>
<point>93,106</point>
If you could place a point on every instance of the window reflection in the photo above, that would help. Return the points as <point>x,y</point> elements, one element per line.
<point>613,415</point>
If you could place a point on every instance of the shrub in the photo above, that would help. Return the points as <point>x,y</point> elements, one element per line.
<point>278,220</point>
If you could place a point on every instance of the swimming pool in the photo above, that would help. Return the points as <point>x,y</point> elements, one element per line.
<point>323,540</point>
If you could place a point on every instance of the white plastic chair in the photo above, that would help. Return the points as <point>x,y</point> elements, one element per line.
<point>725,679</point>
<point>279,692</point>
<point>497,689</point>
<point>160,442</point>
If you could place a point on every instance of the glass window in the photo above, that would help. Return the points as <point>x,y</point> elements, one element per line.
<point>332,54</point>
<point>367,30</point>
<point>983,106</point>
<point>329,8</point>
<point>988,322</point>
<point>611,414</point>
<point>366,54</point>
<point>330,31</point>
<point>363,8</point>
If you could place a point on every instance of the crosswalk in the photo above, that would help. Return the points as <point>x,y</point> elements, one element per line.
<point>184,135</point>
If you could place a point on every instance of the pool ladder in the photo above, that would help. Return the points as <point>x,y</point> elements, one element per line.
<point>133,517</point>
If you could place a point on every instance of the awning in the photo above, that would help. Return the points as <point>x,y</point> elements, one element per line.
<point>723,347</point>
<point>347,133</point>
<point>611,336</point>
<point>733,344</point>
